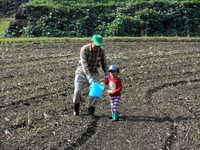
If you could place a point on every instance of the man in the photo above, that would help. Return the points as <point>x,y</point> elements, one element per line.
<point>92,56</point>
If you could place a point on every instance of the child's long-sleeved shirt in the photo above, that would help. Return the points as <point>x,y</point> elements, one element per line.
<point>114,84</point>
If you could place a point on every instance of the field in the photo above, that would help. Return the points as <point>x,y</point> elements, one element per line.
<point>159,109</point>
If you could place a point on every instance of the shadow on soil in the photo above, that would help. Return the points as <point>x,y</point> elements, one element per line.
<point>155,119</point>
<point>89,132</point>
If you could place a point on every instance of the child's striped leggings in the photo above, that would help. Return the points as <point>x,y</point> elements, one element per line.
<point>114,100</point>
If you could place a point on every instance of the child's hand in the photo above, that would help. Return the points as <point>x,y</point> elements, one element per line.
<point>102,83</point>
<point>110,91</point>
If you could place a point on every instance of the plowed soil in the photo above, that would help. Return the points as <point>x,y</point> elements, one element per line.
<point>159,109</point>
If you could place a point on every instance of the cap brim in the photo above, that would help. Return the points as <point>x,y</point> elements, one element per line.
<point>112,70</point>
<point>98,44</point>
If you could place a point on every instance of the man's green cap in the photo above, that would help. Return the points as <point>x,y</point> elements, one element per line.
<point>97,39</point>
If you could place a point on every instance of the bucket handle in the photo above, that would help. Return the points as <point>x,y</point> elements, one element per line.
<point>103,86</point>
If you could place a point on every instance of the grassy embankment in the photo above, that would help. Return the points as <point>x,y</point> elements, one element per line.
<point>45,39</point>
<point>4,23</point>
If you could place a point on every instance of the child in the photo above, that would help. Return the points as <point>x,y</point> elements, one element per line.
<point>114,92</point>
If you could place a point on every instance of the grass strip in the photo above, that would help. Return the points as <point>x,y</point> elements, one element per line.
<point>4,23</point>
<point>114,39</point>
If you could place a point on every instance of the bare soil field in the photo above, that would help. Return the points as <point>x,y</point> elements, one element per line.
<point>159,109</point>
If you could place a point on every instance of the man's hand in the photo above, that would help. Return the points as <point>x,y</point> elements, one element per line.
<point>110,91</point>
<point>91,80</point>
<point>106,76</point>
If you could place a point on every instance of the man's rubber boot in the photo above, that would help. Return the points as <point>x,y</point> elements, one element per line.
<point>91,110</point>
<point>115,116</point>
<point>76,109</point>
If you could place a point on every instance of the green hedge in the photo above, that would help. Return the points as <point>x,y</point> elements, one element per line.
<point>138,19</point>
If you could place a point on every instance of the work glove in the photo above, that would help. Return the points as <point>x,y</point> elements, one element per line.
<point>91,81</point>
<point>110,91</point>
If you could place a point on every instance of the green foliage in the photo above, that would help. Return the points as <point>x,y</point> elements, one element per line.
<point>40,2</point>
<point>97,2</point>
<point>124,25</point>
<point>77,22</point>
<point>138,19</point>
<point>179,19</point>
